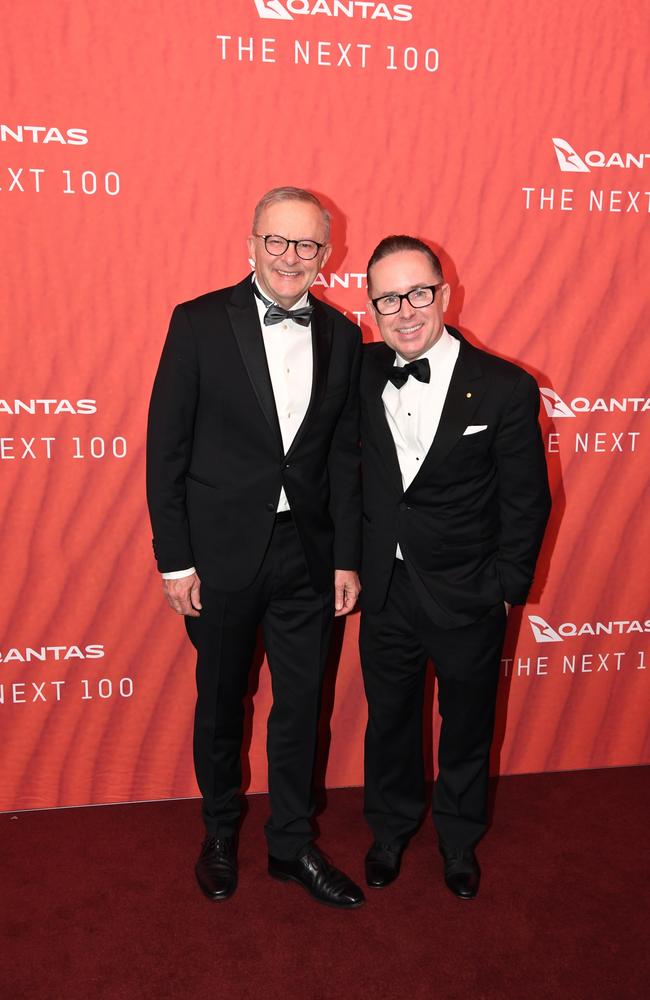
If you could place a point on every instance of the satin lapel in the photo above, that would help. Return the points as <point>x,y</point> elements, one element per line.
<point>463,396</point>
<point>379,363</point>
<point>246,327</point>
<point>321,345</point>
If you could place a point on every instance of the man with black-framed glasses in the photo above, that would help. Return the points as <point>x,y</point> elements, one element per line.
<point>455,499</point>
<point>254,495</point>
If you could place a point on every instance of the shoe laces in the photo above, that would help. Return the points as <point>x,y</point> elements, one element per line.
<point>326,871</point>
<point>217,845</point>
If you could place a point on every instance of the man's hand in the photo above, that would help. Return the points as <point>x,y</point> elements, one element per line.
<point>346,590</point>
<point>184,595</point>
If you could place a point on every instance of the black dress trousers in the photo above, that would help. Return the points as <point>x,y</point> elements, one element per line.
<point>296,624</point>
<point>395,646</point>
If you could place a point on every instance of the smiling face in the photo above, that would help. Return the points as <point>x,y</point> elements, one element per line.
<point>411,331</point>
<point>286,278</point>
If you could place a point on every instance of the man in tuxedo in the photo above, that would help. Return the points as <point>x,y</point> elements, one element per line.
<point>254,495</point>
<point>456,499</point>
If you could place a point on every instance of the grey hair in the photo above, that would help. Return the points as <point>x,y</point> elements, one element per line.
<point>290,194</point>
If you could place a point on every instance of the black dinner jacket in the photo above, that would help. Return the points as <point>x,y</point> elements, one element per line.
<point>215,460</point>
<point>471,523</point>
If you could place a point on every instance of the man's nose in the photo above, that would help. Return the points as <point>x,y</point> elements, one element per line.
<point>290,254</point>
<point>405,308</point>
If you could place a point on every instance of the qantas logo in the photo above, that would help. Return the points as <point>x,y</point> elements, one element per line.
<point>43,134</point>
<point>26,655</point>
<point>571,162</point>
<point>47,406</point>
<point>556,407</point>
<point>543,632</point>
<point>286,10</point>
<point>273,10</point>
<point>347,279</point>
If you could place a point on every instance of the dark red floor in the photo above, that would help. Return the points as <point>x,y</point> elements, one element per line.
<point>102,903</point>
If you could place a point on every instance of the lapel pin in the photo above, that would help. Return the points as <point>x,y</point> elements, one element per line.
<point>468,395</point>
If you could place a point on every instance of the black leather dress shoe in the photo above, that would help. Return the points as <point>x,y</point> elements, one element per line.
<point>382,864</point>
<point>321,880</point>
<point>462,872</point>
<point>216,869</point>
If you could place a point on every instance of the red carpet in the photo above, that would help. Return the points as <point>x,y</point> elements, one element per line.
<point>102,903</point>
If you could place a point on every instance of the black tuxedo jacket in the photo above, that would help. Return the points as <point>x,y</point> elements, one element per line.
<point>215,460</point>
<point>471,523</point>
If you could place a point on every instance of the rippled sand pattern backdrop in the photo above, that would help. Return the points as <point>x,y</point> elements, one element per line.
<point>193,115</point>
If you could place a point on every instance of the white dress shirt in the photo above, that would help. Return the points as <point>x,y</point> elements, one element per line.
<point>290,360</point>
<point>289,356</point>
<point>413,412</point>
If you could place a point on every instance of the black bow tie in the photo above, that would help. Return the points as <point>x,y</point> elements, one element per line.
<point>275,314</point>
<point>418,369</point>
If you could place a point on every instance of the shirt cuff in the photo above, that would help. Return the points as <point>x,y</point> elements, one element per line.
<point>178,574</point>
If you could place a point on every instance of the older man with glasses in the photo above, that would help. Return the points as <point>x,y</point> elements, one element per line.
<point>455,498</point>
<point>254,496</point>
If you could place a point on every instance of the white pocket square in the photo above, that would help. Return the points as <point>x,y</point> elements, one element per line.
<point>474,429</point>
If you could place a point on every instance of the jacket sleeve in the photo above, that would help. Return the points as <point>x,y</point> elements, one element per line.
<point>524,495</point>
<point>344,472</point>
<point>170,434</point>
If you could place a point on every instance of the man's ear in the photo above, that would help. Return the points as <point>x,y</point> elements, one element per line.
<point>371,308</point>
<point>250,243</point>
<point>326,255</point>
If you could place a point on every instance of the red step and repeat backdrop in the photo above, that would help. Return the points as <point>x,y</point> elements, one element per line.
<point>134,141</point>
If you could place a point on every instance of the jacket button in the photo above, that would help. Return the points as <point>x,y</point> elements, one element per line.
<point>287,466</point>
<point>271,507</point>
<point>404,506</point>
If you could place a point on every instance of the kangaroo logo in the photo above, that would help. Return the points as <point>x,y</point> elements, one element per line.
<point>273,10</point>
<point>554,406</point>
<point>568,159</point>
<point>542,630</point>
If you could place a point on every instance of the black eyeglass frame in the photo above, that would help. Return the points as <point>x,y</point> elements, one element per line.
<point>275,236</point>
<point>406,295</point>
